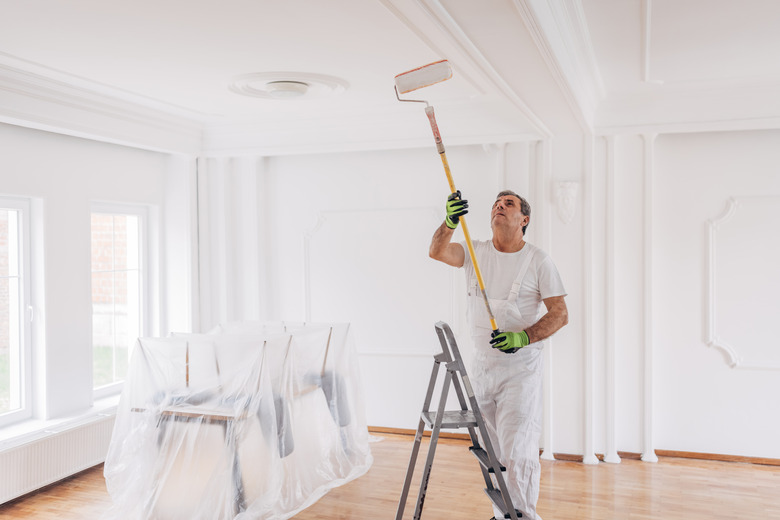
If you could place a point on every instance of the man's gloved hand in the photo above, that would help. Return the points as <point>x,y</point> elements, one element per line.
<point>456,208</point>
<point>509,342</point>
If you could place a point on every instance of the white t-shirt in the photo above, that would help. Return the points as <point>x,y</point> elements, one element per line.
<point>499,271</point>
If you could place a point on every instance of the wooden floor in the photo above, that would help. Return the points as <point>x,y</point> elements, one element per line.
<point>670,489</point>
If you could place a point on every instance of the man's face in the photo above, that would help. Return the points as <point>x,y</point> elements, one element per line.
<point>506,212</point>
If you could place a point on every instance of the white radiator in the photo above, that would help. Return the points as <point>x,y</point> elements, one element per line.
<point>53,455</point>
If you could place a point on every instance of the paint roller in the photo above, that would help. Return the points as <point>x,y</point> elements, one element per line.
<point>426,76</point>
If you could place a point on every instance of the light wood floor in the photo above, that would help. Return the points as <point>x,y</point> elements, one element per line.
<point>632,490</point>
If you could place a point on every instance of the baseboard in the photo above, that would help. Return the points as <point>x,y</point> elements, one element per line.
<point>426,433</point>
<point>623,454</point>
<point>719,457</point>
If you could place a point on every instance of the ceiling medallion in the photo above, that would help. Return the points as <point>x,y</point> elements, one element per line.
<point>287,85</point>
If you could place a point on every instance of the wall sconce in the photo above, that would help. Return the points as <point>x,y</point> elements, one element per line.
<point>566,199</point>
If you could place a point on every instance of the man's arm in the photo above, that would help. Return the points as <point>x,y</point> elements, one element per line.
<point>556,317</point>
<point>443,250</point>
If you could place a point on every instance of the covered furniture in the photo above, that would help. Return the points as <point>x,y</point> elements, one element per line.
<point>250,421</point>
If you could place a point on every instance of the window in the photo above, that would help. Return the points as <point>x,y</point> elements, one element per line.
<point>118,296</point>
<point>15,350</point>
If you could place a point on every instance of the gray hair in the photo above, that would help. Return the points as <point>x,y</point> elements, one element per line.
<point>525,208</point>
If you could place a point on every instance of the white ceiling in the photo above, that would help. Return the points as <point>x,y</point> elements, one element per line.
<point>523,69</point>
<point>679,64</point>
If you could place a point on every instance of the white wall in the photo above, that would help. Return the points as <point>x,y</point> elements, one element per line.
<point>345,237</point>
<point>698,401</point>
<point>702,403</point>
<point>626,324</point>
<point>65,174</point>
<point>565,242</point>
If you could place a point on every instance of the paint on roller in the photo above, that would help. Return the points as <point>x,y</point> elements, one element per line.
<point>424,76</point>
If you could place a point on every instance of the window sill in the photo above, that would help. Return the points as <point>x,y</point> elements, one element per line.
<point>30,430</point>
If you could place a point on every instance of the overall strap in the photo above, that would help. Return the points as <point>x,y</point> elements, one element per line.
<point>521,273</point>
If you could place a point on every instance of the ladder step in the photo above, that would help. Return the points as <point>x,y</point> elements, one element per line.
<point>451,419</point>
<point>495,497</point>
<point>482,456</point>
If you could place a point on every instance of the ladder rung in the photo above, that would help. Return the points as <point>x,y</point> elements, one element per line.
<point>451,419</point>
<point>482,456</point>
<point>495,497</point>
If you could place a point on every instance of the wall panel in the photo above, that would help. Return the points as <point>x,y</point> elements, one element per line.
<point>703,404</point>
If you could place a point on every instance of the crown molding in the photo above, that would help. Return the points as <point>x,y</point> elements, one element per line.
<point>477,60</point>
<point>385,128</point>
<point>229,144</point>
<point>560,32</point>
<point>35,97</point>
<point>433,24</point>
<point>673,127</point>
<point>677,107</point>
<point>46,99</point>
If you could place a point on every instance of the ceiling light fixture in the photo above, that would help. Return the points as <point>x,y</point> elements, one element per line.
<point>286,89</point>
<point>287,85</point>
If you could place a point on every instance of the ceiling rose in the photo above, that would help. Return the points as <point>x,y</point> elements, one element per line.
<point>287,85</point>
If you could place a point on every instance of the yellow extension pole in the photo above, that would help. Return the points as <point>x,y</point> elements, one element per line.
<point>472,254</point>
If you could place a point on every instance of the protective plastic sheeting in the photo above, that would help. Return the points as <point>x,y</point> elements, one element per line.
<point>251,421</point>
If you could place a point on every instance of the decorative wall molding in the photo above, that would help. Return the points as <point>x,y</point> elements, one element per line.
<point>566,193</point>
<point>712,339</point>
<point>718,246</point>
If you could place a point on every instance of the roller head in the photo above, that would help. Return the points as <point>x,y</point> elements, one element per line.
<point>424,76</point>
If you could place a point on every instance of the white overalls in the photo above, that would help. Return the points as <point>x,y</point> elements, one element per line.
<point>508,388</point>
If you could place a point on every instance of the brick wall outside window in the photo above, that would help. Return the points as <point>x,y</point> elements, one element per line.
<point>109,252</point>
<point>109,279</point>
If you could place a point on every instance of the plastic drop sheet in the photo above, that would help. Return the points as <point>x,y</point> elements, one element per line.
<point>250,421</point>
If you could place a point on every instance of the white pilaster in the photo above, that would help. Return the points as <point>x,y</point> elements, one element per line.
<point>588,380</point>
<point>648,451</point>
<point>246,240</point>
<point>611,454</point>
<point>542,174</point>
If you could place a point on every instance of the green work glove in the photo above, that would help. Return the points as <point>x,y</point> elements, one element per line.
<point>456,208</point>
<point>509,342</point>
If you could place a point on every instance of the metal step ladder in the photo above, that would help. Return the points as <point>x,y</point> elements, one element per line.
<point>467,417</point>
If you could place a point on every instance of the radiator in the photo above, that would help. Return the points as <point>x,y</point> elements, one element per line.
<point>53,455</point>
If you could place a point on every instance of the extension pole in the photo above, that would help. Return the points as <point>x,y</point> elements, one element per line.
<point>472,254</point>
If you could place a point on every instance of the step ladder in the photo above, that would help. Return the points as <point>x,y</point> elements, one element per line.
<point>467,417</point>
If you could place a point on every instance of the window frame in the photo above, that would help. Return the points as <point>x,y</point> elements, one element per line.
<point>144,279</point>
<point>23,206</point>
